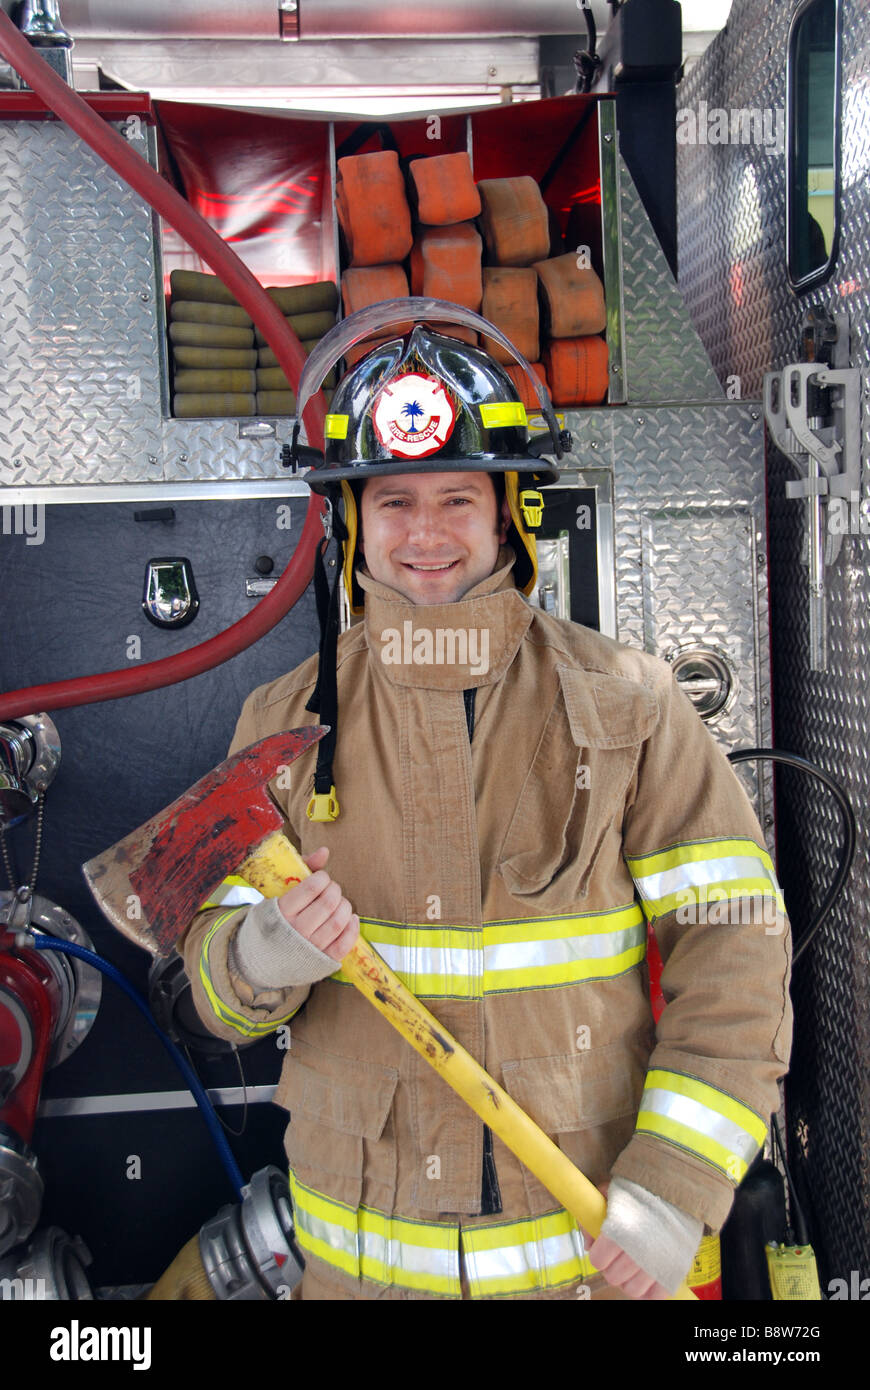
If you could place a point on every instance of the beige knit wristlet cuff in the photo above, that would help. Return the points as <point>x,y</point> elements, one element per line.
<point>270,954</point>
<point>659,1237</point>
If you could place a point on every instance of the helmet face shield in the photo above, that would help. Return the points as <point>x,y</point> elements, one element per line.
<point>378,320</point>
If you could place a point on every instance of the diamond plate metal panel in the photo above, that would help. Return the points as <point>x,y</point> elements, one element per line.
<point>665,359</point>
<point>198,449</point>
<point>697,472</point>
<point>731,217</point>
<point>83,377</point>
<point>691,465</point>
<point>711,603</point>
<point>80,383</point>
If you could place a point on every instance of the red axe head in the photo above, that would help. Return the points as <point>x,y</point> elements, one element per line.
<point>151,883</point>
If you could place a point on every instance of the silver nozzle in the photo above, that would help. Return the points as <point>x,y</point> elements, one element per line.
<point>40,23</point>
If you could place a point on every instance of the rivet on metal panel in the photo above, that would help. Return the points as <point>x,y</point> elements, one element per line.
<point>765,701</point>
<point>492,70</point>
<point>182,458</point>
<point>593,444</point>
<point>608,138</point>
<point>640,420</point>
<point>152,458</point>
<point>755,415</point>
<point>17,463</point>
<point>144,295</point>
<point>615,368</point>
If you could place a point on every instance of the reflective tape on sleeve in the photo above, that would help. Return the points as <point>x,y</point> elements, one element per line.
<point>500,957</point>
<point>704,1121</point>
<point>233,892</point>
<point>250,1028</point>
<point>702,873</point>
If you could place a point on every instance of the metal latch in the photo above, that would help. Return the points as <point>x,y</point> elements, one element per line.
<point>813,412</point>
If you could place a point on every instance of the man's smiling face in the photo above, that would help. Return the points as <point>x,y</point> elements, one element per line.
<point>432,536</point>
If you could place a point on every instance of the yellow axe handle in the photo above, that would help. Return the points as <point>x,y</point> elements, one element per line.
<point>271,870</point>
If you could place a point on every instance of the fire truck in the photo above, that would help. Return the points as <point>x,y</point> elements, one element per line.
<point>177,177</point>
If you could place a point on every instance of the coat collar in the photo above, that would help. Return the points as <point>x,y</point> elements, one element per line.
<point>447,646</point>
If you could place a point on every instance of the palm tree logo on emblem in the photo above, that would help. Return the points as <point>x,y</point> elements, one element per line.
<point>411,411</point>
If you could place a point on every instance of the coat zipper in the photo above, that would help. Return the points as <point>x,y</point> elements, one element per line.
<point>490,1196</point>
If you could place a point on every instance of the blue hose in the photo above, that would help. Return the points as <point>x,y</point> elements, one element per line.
<point>69,948</point>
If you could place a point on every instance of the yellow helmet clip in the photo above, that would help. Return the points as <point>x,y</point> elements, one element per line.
<point>323,806</point>
<point>532,505</point>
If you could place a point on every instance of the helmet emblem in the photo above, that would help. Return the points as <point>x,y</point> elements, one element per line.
<point>413,415</point>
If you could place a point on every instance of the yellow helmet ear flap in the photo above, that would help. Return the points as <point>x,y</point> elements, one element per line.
<point>526,509</point>
<point>355,595</point>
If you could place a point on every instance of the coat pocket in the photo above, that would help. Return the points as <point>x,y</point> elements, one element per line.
<point>340,1124</point>
<point>574,795</point>
<point>586,1101</point>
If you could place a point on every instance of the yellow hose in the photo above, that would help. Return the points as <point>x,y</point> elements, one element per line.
<point>185,1279</point>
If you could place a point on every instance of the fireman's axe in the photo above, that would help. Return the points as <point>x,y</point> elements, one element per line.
<point>152,882</point>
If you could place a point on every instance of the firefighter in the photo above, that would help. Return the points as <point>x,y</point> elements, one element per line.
<point>503,803</point>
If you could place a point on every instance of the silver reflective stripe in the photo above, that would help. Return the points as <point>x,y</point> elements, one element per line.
<point>234,895</point>
<point>428,960</point>
<point>694,1115</point>
<point>516,955</point>
<point>412,1259</point>
<point>513,1261</point>
<point>703,871</point>
<point>328,1231</point>
<point>391,1252</point>
<point>523,955</point>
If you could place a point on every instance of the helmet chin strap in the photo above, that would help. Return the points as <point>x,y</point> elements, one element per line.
<point>323,805</point>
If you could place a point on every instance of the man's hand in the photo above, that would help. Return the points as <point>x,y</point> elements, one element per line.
<point>316,909</point>
<point>621,1271</point>
<point>660,1235</point>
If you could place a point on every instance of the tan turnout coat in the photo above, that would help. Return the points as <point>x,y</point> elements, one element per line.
<point>508,878</point>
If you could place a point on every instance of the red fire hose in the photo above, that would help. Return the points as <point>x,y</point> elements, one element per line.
<point>116,152</point>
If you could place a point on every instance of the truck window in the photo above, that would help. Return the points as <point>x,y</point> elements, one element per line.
<point>812,169</point>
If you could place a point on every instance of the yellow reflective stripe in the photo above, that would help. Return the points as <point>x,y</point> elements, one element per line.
<point>544,1252</point>
<point>705,1121</point>
<point>510,1257</point>
<point>535,953</point>
<point>706,871</point>
<point>222,1010</point>
<point>335,426</point>
<point>233,892</point>
<point>368,1244</point>
<point>502,413</point>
